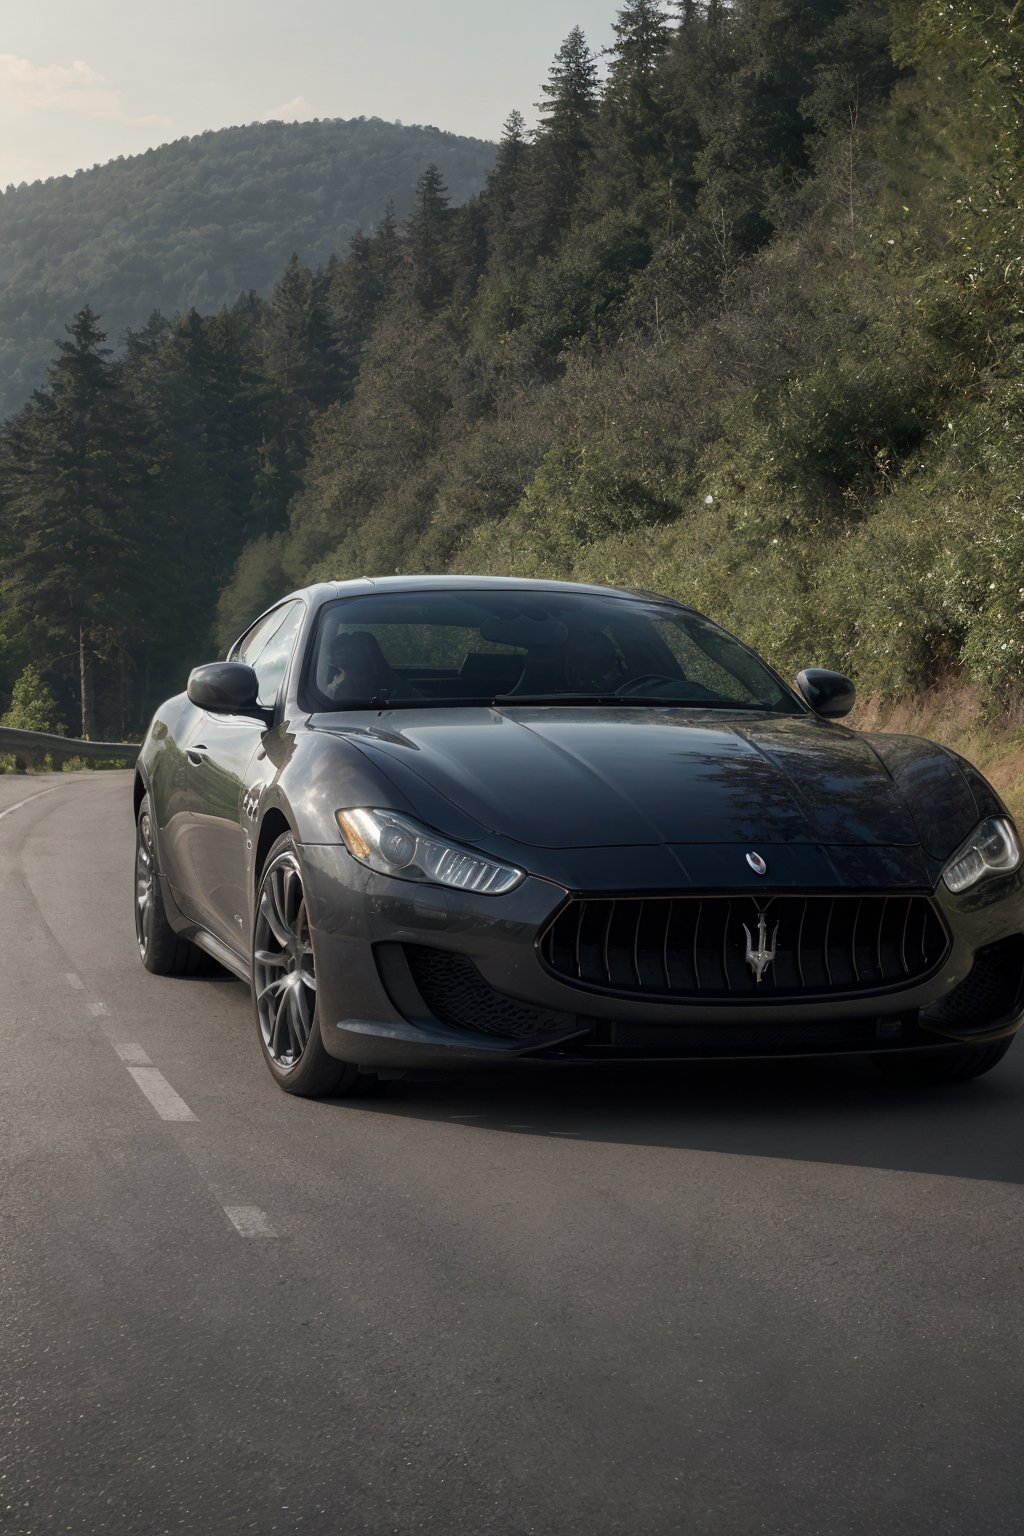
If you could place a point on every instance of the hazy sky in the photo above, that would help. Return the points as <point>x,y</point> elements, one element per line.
<point>84,80</point>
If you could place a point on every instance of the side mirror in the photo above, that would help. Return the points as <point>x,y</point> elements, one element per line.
<point>226,688</point>
<point>829,694</point>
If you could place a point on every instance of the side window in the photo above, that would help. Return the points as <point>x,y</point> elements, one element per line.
<point>271,663</point>
<point>267,648</point>
<point>251,644</point>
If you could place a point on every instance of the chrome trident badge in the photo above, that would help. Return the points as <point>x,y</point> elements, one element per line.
<point>760,959</point>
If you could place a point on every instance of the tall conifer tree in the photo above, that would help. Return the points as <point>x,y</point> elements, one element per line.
<point>570,95</point>
<point>636,107</point>
<point>82,561</point>
<point>505,186</point>
<point>642,35</point>
<point>565,139</point>
<point>298,355</point>
<point>427,234</point>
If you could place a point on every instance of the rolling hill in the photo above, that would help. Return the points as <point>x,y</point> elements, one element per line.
<point>197,222</point>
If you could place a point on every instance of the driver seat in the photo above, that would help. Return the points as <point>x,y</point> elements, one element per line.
<point>359,669</point>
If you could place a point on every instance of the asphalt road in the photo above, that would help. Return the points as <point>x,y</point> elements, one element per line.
<point>782,1300</point>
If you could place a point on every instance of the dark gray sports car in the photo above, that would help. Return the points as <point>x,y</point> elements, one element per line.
<point>441,820</point>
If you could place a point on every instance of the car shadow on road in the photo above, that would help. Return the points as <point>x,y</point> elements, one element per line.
<point>821,1111</point>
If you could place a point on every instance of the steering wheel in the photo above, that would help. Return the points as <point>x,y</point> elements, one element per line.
<point>639,684</point>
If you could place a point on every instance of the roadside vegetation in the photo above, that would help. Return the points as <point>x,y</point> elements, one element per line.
<point>961,716</point>
<point>741,321</point>
<point>32,708</point>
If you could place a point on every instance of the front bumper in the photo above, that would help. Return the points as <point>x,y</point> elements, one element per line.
<point>420,976</point>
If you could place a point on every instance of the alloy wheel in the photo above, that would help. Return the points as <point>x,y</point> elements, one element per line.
<point>145,879</point>
<point>283,965</point>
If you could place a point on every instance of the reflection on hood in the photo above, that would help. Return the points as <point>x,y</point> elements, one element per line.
<point>603,777</point>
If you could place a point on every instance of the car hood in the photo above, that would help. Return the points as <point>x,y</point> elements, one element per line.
<point>579,777</point>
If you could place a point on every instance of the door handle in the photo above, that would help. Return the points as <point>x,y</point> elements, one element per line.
<point>195,755</point>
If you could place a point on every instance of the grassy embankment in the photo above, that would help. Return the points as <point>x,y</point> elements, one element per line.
<point>958,717</point>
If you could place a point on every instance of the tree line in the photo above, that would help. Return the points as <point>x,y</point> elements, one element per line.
<point>740,319</point>
<point>196,222</point>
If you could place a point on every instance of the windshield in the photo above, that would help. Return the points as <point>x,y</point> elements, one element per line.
<point>406,649</point>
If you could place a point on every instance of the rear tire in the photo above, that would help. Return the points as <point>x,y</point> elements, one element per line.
<point>950,1065</point>
<point>284,984</point>
<point>162,950</point>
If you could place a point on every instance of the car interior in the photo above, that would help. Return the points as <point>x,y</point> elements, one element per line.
<point>352,667</point>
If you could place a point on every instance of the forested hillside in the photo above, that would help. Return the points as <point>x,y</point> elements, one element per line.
<point>741,321</point>
<point>195,223</point>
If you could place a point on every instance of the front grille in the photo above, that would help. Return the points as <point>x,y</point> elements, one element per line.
<point>456,993</point>
<point>698,947</point>
<point>989,992</point>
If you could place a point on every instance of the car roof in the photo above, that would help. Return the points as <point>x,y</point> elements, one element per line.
<point>322,592</point>
<point>477,583</point>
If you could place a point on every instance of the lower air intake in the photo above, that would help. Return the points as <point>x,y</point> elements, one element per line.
<point>456,993</point>
<point>989,993</point>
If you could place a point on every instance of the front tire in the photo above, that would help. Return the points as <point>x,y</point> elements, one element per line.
<point>161,950</point>
<point>949,1065</point>
<point>284,988</point>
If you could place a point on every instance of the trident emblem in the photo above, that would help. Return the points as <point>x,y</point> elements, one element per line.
<point>760,959</point>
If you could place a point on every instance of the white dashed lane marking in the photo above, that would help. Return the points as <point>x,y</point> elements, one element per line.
<point>133,1055</point>
<point>27,801</point>
<point>249,1221</point>
<point>168,1104</point>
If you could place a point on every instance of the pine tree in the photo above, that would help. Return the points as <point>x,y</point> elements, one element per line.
<point>468,248</point>
<point>635,114</point>
<point>564,141</point>
<point>759,61</point>
<point>511,149</point>
<point>385,246</point>
<point>642,35</point>
<point>353,293</point>
<point>298,356</point>
<point>570,105</point>
<point>511,189</point>
<point>694,13</point>
<point>357,287</point>
<point>505,183</point>
<point>427,233</point>
<point>215,425</point>
<point>83,559</point>
<point>687,74</point>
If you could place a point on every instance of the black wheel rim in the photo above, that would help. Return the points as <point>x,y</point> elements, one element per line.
<point>145,880</point>
<point>284,970</point>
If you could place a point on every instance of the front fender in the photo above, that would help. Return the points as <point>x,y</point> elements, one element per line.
<point>945,794</point>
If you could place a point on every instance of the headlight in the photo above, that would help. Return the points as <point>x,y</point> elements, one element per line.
<point>395,845</point>
<point>991,849</point>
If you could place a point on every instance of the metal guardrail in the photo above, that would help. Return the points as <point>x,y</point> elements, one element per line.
<point>29,746</point>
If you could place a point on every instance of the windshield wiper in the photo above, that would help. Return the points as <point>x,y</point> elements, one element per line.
<point>554,698</point>
<point>619,698</point>
<point>510,700</point>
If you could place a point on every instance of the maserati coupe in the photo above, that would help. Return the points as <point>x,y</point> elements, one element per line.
<point>462,821</point>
